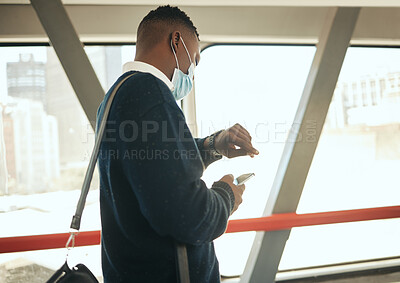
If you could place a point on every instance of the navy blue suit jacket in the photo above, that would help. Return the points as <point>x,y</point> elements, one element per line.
<point>151,192</point>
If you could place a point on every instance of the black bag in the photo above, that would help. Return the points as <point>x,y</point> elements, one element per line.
<point>80,273</point>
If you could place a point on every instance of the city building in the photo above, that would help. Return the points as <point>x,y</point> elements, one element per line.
<point>27,79</point>
<point>65,107</point>
<point>75,133</point>
<point>107,63</point>
<point>370,101</point>
<point>31,146</point>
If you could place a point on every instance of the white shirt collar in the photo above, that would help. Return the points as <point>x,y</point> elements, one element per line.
<point>147,68</point>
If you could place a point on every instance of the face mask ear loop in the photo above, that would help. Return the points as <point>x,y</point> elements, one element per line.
<point>176,58</point>
<point>184,45</point>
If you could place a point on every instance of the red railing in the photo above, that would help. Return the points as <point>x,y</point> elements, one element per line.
<point>269,223</point>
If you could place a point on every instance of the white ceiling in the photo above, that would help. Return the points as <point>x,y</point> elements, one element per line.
<point>216,24</point>
<point>294,3</point>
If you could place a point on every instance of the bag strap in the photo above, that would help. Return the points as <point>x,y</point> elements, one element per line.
<point>183,263</point>
<point>76,219</point>
<point>182,258</point>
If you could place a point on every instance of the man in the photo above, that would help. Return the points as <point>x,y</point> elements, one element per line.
<point>151,194</point>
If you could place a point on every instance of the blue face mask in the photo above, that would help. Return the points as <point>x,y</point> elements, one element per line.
<point>183,83</point>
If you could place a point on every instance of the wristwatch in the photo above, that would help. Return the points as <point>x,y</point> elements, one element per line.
<point>211,144</point>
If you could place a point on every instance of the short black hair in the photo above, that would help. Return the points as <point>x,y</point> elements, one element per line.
<point>169,15</point>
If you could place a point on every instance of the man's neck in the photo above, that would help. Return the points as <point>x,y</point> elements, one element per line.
<point>158,61</point>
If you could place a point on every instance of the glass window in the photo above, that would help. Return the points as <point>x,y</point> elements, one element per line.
<point>258,87</point>
<point>356,162</point>
<point>373,92</point>
<point>382,84</point>
<point>355,166</point>
<point>364,93</point>
<point>355,94</point>
<point>45,143</point>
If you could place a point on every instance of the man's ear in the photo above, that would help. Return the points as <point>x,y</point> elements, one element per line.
<point>176,37</point>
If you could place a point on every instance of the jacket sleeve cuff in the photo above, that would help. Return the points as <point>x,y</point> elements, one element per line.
<point>225,189</point>
<point>206,155</point>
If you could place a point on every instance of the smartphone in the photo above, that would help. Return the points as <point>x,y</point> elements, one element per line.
<point>243,179</point>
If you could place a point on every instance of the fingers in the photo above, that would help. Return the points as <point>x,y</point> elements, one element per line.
<point>240,136</point>
<point>232,152</point>
<point>238,199</point>
<point>237,190</point>
<point>236,152</point>
<point>228,179</point>
<point>244,143</point>
<point>244,131</point>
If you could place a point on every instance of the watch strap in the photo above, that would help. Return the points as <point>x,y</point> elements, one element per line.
<point>211,143</point>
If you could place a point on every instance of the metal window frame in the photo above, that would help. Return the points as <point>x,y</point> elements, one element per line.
<point>73,58</point>
<point>266,252</point>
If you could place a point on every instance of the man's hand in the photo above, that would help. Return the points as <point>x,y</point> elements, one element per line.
<point>235,141</point>
<point>237,190</point>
